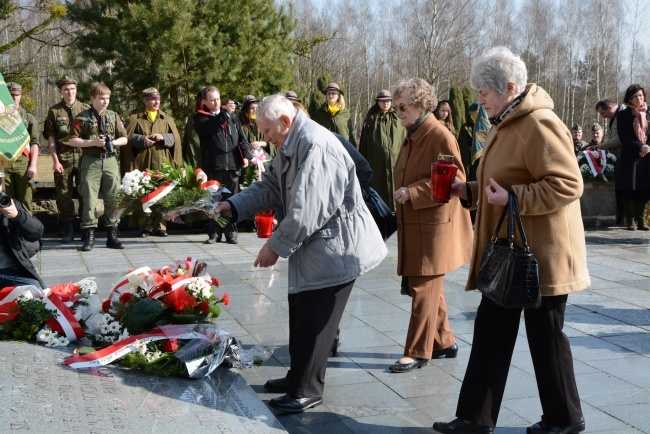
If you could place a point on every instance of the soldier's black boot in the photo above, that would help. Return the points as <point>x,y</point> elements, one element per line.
<point>89,240</point>
<point>112,242</point>
<point>68,233</point>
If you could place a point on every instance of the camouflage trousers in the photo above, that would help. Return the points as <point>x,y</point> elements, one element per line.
<point>67,183</point>
<point>17,184</point>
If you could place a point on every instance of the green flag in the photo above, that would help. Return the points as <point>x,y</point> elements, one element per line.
<point>13,134</point>
<point>481,129</point>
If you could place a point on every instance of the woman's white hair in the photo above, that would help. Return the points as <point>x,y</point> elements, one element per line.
<point>495,68</point>
<point>274,106</point>
<point>421,93</point>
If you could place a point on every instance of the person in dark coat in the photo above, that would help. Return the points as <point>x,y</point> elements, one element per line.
<point>466,139</point>
<point>633,176</point>
<point>224,152</point>
<point>382,135</point>
<point>21,238</point>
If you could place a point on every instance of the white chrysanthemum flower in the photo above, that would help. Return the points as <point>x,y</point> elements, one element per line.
<point>115,327</point>
<point>44,334</point>
<point>104,329</point>
<point>106,319</point>
<point>62,341</point>
<point>584,168</point>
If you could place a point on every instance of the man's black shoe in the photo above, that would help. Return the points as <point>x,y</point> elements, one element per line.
<point>289,404</point>
<point>144,234</point>
<point>231,238</point>
<point>460,426</point>
<point>277,385</point>
<point>447,353</point>
<point>159,233</point>
<point>542,427</point>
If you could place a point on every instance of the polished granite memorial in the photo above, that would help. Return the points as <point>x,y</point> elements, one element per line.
<point>41,395</point>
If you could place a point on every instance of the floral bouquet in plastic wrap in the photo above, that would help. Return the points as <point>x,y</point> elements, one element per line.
<point>597,164</point>
<point>167,194</point>
<point>160,322</point>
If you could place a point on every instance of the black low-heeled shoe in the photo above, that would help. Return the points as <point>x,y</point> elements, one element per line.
<point>289,404</point>
<point>542,427</point>
<point>277,385</point>
<point>460,426</point>
<point>447,353</point>
<point>408,367</point>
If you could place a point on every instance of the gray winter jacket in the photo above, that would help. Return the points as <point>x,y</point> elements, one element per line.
<point>328,234</point>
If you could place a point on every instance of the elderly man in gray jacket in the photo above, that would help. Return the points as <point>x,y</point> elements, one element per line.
<point>328,234</point>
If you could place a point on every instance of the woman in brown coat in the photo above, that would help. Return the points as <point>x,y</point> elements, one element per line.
<point>432,238</point>
<point>528,152</point>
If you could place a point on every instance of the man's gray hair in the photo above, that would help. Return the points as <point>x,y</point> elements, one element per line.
<point>274,106</point>
<point>495,68</point>
<point>421,93</point>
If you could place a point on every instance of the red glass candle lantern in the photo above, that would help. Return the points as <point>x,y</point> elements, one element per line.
<point>443,173</point>
<point>264,223</point>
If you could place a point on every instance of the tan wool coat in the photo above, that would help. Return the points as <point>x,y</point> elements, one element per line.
<point>531,154</point>
<point>432,238</point>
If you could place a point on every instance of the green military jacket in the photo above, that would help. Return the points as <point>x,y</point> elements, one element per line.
<point>136,156</point>
<point>59,122</point>
<point>86,126</point>
<point>340,123</point>
<point>254,135</point>
<point>382,136</point>
<point>30,123</point>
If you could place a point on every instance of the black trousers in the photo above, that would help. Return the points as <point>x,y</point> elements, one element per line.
<point>314,317</point>
<point>495,333</point>
<point>230,180</point>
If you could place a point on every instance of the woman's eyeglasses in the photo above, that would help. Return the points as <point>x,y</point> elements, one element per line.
<point>402,107</point>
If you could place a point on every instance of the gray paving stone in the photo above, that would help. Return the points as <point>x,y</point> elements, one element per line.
<point>637,342</point>
<point>634,369</point>
<point>635,415</point>
<point>601,389</point>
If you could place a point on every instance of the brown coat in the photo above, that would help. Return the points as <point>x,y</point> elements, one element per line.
<point>432,238</point>
<point>531,154</point>
<point>135,157</point>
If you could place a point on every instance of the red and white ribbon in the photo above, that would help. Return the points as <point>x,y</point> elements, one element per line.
<point>153,197</point>
<point>64,315</point>
<point>211,186</point>
<point>593,162</point>
<point>125,346</point>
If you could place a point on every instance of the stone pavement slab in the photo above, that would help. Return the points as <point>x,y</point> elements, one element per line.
<point>608,325</point>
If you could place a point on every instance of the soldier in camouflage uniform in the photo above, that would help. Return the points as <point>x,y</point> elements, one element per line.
<point>100,172</point>
<point>153,139</point>
<point>19,174</point>
<point>66,160</point>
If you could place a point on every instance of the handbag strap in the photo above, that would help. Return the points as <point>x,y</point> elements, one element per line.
<point>495,236</point>
<point>514,214</point>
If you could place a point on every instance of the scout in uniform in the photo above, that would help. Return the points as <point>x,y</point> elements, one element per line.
<point>66,160</point>
<point>20,173</point>
<point>153,139</point>
<point>97,131</point>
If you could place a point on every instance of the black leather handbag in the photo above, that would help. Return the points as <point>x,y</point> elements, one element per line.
<point>509,274</point>
<point>384,217</point>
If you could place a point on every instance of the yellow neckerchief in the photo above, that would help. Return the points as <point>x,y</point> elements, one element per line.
<point>442,121</point>
<point>252,117</point>
<point>473,117</point>
<point>151,115</point>
<point>334,109</point>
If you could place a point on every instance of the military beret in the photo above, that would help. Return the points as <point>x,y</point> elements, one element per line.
<point>14,87</point>
<point>292,96</point>
<point>384,94</point>
<point>576,127</point>
<point>596,127</point>
<point>249,99</point>
<point>65,80</point>
<point>149,92</point>
<point>473,107</point>
<point>333,86</point>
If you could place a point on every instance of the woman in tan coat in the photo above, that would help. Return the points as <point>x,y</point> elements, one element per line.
<point>432,238</point>
<point>528,152</point>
